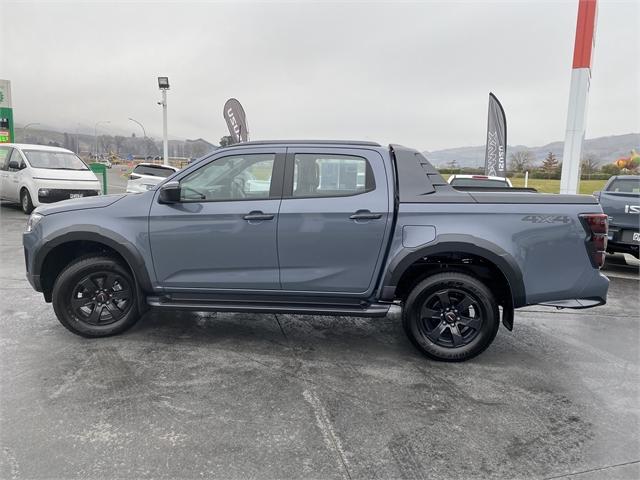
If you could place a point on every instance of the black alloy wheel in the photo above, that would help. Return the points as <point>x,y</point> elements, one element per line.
<point>101,298</point>
<point>96,296</point>
<point>451,316</point>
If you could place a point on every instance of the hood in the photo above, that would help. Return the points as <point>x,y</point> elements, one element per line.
<point>99,201</point>
<point>57,174</point>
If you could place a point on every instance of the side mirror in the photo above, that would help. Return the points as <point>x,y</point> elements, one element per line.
<point>170,192</point>
<point>14,165</point>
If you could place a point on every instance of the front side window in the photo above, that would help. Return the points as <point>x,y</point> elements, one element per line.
<point>54,160</point>
<point>237,177</point>
<point>328,175</point>
<point>5,153</point>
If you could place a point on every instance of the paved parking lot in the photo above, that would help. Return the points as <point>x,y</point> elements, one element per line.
<point>188,395</point>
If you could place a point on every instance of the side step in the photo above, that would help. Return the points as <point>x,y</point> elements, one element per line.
<point>371,310</point>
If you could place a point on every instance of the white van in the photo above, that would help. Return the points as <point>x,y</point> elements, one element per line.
<point>36,174</point>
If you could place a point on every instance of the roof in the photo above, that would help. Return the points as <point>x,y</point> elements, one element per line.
<point>305,142</point>
<point>29,146</point>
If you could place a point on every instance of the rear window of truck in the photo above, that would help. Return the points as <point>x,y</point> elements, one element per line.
<point>625,185</point>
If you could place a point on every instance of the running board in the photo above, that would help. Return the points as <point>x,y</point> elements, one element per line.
<point>371,310</point>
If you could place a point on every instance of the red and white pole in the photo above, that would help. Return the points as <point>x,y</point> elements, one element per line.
<point>578,94</point>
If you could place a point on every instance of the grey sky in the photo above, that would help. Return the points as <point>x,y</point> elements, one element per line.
<point>412,73</point>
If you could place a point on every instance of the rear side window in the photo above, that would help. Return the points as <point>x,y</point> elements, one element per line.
<point>5,152</point>
<point>328,175</point>
<point>625,185</point>
<point>153,170</point>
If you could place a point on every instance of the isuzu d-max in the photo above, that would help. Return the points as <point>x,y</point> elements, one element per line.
<point>318,227</point>
<point>620,200</point>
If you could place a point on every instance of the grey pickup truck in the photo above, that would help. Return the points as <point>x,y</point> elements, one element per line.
<point>319,227</point>
<point>620,200</point>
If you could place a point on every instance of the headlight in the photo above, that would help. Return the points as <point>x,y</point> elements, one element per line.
<point>34,219</point>
<point>43,192</point>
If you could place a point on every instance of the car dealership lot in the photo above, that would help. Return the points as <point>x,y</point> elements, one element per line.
<point>235,395</point>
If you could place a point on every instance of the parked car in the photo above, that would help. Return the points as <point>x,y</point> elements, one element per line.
<point>320,241</point>
<point>479,181</point>
<point>37,174</point>
<point>620,200</point>
<point>145,176</point>
<point>105,161</point>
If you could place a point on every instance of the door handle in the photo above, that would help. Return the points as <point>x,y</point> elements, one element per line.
<point>365,215</point>
<point>258,215</point>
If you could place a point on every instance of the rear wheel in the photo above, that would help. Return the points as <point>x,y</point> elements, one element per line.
<point>451,317</point>
<point>25,201</point>
<point>96,297</point>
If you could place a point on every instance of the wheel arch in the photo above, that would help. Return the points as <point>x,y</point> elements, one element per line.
<point>462,245</point>
<point>74,244</point>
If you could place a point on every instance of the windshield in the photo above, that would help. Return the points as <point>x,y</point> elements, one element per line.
<point>478,182</point>
<point>54,160</point>
<point>625,185</point>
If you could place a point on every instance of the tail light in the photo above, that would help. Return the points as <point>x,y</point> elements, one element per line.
<point>133,176</point>
<point>597,227</point>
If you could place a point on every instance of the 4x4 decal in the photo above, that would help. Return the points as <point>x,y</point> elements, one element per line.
<point>547,219</point>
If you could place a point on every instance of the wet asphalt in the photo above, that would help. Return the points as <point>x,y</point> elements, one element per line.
<point>187,395</point>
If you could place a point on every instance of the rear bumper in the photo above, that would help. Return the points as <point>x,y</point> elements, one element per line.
<point>616,247</point>
<point>593,293</point>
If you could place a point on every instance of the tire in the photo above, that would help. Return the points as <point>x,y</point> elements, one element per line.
<point>25,201</point>
<point>96,296</point>
<point>457,334</point>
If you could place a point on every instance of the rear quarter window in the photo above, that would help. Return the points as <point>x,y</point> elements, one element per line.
<point>153,170</point>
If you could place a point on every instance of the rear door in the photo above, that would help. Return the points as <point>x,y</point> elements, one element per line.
<point>222,235</point>
<point>333,219</point>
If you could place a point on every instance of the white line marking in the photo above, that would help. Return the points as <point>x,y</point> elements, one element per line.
<point>331,439</point>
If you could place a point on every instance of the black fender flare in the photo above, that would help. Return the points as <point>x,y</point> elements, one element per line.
<point>93,233</point>
<point>458,243</point>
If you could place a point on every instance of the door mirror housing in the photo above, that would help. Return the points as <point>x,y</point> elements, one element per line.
<point>170,192</point>
<point>14,165</point>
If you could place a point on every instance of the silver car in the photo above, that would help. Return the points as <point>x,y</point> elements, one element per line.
<point>145,176</point>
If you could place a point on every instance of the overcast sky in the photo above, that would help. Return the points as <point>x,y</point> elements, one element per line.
<point>412,73</point>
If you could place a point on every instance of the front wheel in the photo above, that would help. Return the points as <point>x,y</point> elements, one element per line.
<point>96,296</point>
<point>451,317</point>
<point>25,201</point>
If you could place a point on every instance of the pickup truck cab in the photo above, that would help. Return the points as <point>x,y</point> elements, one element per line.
<point>330,228</point>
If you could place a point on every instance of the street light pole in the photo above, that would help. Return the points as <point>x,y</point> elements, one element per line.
<point>163,84</point>
<point>24,129</point>
<point>95,133</point>
<point>144,132</point>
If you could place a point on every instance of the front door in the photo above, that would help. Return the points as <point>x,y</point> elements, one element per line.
<point>222,235</point>
<point>333,220</point>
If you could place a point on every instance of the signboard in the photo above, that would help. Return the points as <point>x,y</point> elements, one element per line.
<point>6,113</point>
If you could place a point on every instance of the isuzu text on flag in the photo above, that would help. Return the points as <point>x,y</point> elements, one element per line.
<point>495,160</point>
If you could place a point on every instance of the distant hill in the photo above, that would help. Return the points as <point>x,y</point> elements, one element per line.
<point>604,149</point>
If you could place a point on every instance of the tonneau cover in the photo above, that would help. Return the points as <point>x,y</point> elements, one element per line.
<point>420,182</point>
